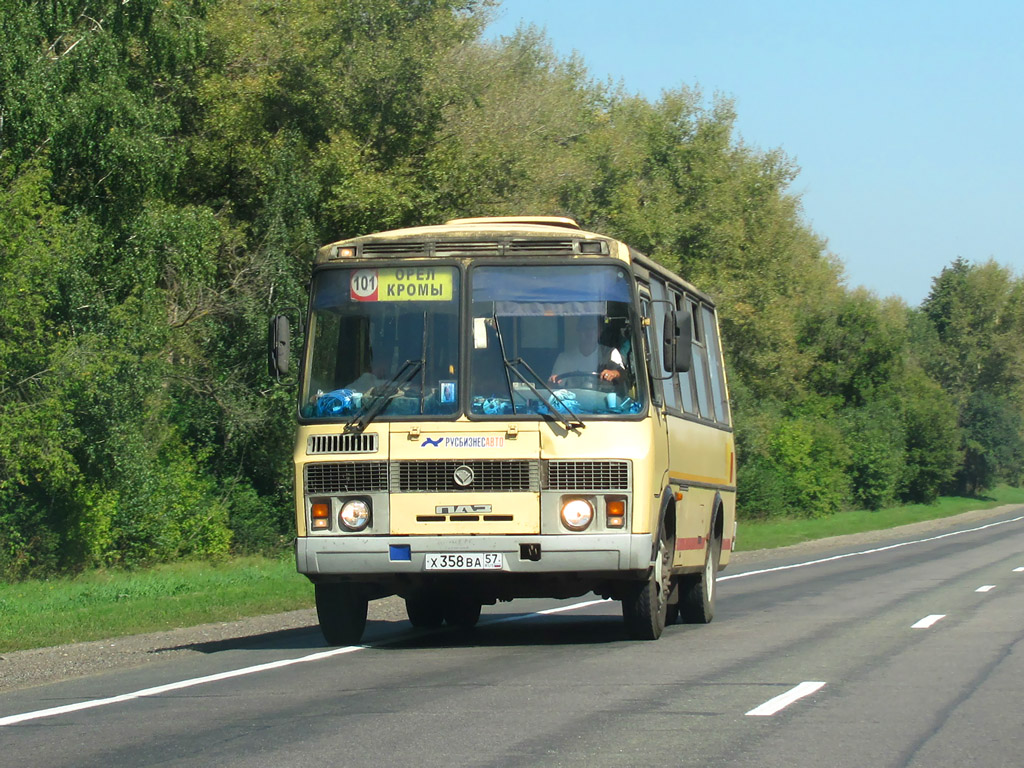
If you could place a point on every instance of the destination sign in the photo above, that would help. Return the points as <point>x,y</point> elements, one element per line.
<point>402,284</point>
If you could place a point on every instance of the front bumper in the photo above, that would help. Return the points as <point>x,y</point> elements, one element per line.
<point>562,553</point>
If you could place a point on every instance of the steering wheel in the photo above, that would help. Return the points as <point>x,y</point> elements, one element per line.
<point>581,380</point>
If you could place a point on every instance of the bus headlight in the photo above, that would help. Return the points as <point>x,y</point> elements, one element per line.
<point>355,514</point>
<point>577,514</point>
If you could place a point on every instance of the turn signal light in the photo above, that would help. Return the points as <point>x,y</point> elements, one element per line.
<point>615,510</point>
<point>321,514</point>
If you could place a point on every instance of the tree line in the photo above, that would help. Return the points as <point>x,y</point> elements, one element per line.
<point>168,166</point>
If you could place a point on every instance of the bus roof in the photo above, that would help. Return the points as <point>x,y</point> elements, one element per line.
<point>541,228</point>
<point>528,235</point>
<point>541,221</point>
<point>475,227</point>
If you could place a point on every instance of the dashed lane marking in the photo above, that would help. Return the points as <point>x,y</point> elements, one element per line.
<point>181,684</point>
<point>780,702</point>
<point>868,551</point>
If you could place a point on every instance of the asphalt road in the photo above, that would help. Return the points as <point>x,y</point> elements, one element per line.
<point>902,653</point>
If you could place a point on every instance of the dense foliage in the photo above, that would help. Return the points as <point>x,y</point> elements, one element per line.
<point>168,166</point>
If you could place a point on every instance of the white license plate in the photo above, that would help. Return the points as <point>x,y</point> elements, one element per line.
<point>466,561</point>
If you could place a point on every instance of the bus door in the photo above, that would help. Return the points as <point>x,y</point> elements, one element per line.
<point>653,309</point>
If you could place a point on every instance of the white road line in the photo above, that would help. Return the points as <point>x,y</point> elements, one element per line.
<point>63,710</point>
<point>320,656</point>
<point>928,621</point>
<point>866,551</point>
<point>986,588</point>
<point>547,612</point>
<point>564,608</point>
<point>782,701</point>
<point>38,714</point>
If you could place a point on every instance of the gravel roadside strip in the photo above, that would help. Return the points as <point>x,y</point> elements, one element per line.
<point>23,669</point>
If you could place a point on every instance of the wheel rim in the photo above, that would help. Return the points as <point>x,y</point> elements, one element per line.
<point>664,575</point>
<point>709,572</point>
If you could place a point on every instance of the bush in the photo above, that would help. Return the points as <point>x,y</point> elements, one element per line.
<point>259,524</point>
<point>877,460</point>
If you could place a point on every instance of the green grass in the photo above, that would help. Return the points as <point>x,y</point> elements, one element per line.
<point>782,532</point>
<point>107,604</point>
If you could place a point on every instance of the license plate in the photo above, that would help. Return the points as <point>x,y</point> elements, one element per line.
<point>466,561</point>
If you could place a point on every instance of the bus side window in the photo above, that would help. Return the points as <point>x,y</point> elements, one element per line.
<point>700,363</point>
<point>682,398</point>
<point>718,392</point>
<point>661,297</point>
<point>686,384</point>
<point>653,358</point>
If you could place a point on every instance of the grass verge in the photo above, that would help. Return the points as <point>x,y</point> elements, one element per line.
<point>768,534</point>
<point>105,604</point>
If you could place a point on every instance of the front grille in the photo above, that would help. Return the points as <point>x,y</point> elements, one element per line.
<point>449,248</point>
<point>488,475</point>
<point>350,443</point>
<point>394,248</point>
<point>476,248</point>
<point>586,475</point>
<point>346,477</point>
<point>541,245</point>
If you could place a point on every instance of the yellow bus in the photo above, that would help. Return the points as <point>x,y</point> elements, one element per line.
<point>500,408</point>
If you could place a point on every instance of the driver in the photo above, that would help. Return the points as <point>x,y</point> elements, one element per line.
<point>588,357</point>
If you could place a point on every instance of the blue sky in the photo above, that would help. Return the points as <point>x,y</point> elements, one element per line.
<point>905,118</point>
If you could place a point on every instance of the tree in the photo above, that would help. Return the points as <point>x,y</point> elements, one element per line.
<point>973,320</point>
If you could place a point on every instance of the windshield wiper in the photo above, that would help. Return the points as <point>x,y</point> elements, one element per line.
<point>510,367</point>
<point>574,425</point>
<point>504,358</point>
<point>362,418</point>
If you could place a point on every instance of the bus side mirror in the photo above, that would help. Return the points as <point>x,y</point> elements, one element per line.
<point>676,337</point>
<point>279,345</point>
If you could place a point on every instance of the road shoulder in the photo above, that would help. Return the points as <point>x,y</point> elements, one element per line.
<point>39,666</point>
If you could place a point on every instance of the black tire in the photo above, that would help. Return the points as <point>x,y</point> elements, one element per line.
<point>341,610</point>
<point>645,608</point>
<point>697,591</point>
<point>425,609</point>
<point>461,612</point>
<point>672,615</point>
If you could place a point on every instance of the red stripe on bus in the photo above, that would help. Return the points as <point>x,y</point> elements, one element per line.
<point>695,543</point>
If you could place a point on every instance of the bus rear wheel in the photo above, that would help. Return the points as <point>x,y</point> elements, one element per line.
<point>461,612</point>
<point>645,608</point>
<point>425,609</point>
<point>341,610</point>
<point>697,591</point>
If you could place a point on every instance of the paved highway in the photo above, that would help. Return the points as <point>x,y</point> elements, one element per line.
<point>904,653</point>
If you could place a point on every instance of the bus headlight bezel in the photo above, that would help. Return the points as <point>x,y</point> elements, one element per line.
<point>355,514</point>
<point>576,513</point>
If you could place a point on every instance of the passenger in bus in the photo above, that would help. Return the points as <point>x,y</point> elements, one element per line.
<point>588,358</point>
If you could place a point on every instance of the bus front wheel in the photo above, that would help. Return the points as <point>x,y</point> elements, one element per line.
<point>341,610</point>
<point>645,607</point>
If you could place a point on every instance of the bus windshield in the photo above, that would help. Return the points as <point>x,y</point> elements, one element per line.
<point>383,341</point>
<point>552,338</point>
